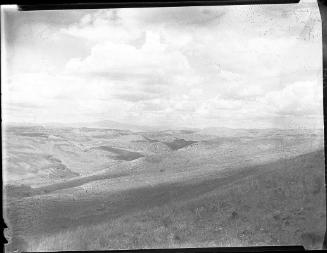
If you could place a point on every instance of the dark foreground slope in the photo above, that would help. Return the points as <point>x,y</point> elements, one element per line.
<point>273,204</point>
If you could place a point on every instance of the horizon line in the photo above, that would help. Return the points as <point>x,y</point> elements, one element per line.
<point>48,124</point>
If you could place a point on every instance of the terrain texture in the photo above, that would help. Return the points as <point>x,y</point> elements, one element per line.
<point>102,188</point>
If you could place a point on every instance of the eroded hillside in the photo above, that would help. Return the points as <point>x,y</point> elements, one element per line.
<point>39,156</point>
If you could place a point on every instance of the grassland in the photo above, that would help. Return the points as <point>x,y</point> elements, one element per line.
<point>282,205</point>
<point>163,189</point>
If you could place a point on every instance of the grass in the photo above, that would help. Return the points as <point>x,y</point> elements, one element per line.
<point>281,206</point>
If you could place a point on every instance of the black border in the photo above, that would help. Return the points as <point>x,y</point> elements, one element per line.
<point>322,4</point>
<point>204,250</point>
<point>28,5</point>
<point>146,4</point>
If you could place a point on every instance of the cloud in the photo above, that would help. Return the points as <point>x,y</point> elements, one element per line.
<point>199,66</point>
<point>176,16</point>
<point>135,97</point>
<point>300,98</point>
<point>132,73</point>
<point>116,58</point>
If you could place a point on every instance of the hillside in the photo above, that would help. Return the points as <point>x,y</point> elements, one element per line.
<point>168,188</point>
<point>38,156</point>
<point>273,204</point>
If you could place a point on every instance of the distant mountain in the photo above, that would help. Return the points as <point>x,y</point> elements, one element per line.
<point>127,126</point>
<point>109,124</point>
<point>115,125</point>
<point>222,131</point>
<point>238,132</point>
<point>217,131</point>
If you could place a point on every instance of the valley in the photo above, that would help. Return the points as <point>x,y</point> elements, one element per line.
<point>67,180</point>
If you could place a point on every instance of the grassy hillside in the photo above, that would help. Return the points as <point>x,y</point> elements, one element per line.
<point>162,188</point>
<point>282,203</point>
<point>39,156</point>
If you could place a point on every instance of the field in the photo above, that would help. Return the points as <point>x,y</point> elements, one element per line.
<point>100,188</point>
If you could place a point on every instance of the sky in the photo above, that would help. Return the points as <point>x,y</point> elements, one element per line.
<point>215,66</point>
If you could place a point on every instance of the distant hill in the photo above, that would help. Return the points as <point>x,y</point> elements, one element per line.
<point>217,131</point>
<point>112,125</point>
<point>108,124</point>
<point>238,132</point>
<point>102,124</point>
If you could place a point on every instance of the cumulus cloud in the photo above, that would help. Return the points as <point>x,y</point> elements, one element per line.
<point>176,67</point>
<point>300,98</point>
<point>124,59</point>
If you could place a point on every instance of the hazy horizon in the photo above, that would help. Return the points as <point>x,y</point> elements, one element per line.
<point>155,127</point>
<point>211,66</point>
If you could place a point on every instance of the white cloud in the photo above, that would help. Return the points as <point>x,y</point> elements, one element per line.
<point>153,57</point>
<point>300,98</point>
<point>198,66</point>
